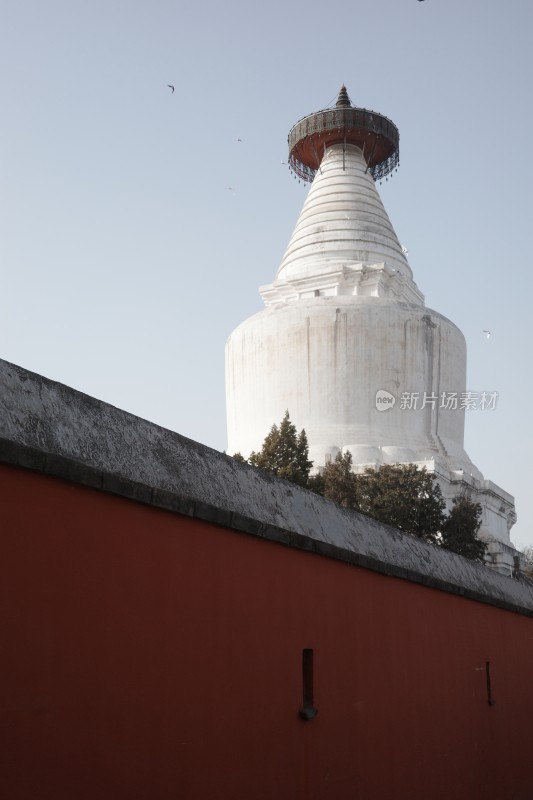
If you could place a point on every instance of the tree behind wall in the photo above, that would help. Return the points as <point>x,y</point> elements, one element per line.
<point>404,496</point>
<point>285,453</point>
<point>527,562</point>
<point>400,495</point>
<point>339,483</point>
<point>460,528</point>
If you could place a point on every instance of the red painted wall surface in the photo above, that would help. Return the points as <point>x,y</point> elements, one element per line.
<point>148,655</point>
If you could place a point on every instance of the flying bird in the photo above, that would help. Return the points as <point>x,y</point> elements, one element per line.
<point>487,334</point>
<point>239,140</point>
<point>170,87</point>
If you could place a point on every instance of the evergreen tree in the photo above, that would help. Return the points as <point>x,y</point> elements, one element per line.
<point>315,483</point>
<point>400,495</point>
<point>403,496</point>
<point>460,528</point>
<point>527,562</point>
<point>339,482</point>
<point>302,455</point>
<point>285,453</point>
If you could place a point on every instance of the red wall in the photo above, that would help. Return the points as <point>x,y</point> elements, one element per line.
<point>149,655</point>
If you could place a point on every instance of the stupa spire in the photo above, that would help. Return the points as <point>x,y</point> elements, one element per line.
<point>343,242</point>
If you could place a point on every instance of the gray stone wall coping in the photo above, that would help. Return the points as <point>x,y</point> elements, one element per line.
<point>60,432</point>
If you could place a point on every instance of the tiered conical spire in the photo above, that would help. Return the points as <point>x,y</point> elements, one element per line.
<point>343,242</point>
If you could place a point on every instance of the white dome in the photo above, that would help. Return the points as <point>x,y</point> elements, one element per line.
<point>326,359</point>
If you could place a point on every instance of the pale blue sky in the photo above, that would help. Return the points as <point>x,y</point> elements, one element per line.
<point>126,261</point>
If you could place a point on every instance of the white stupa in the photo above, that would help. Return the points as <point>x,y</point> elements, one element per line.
<point>345,342</point>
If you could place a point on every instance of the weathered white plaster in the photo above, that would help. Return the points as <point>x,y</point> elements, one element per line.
<point>344,322</point>
<point>326,358</point>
